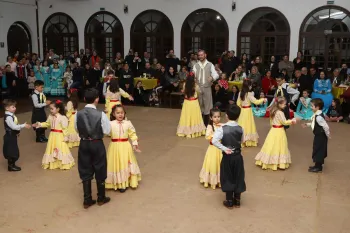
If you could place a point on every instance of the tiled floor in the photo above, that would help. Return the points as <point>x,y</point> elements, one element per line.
<point>170,198</point>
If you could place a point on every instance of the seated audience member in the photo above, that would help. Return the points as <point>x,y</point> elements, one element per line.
<point>233,95</point>
<point>336,78</point>
<point>183,74</point>
<point>255,76</point>
<point>334,113</point>
<point>238,75</point>
<point>139,94</point>
<point>217,68</point>
<point>153,99</point>
<point>223,81</point>
<point>158,72</point>
<point>155,64</point>
<point>323,90</point>
<point>128,90</point>
<point>305,81</point>
<point>172,80</point>
<point>126,77</point>
<point>269,84</point>
<point>219,97</point>
<point>148,71</point>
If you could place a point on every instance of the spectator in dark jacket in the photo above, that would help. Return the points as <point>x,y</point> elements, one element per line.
<point>230,63</point>
<point>171,61</point>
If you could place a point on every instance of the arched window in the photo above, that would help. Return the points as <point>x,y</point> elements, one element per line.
<point>325,35</point>
<point>263,32</point>
<point>204,29</point>
<point>152,31</point>
<point>104,33</point>
<point>19,39</point>
<point>60,33</point>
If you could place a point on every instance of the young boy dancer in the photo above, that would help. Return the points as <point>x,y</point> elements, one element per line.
<point>232,166</point>
<point>38,114</point>
<point>12,129</point>
<point>92,125</point>
<point>320,129</point>
<point>290,94</point>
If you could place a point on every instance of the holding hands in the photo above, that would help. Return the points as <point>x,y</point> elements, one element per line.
<point>27,126</point>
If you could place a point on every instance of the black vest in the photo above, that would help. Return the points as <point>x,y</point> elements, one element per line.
<point>7,128</point>
<point>285,94</point>
<point>89,124</point>
<point>317,128</point>
<point>39,101</point>
<point>232,137</point>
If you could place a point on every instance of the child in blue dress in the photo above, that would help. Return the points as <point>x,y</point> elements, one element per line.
<point>323,90</point>
<point>46,73</point>
<point>304,110</point>
<point>38,71</point>
<point>260,110</point>
<point>56,81</point>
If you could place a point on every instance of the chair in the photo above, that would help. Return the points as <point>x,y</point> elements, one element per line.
<point>175,95</point>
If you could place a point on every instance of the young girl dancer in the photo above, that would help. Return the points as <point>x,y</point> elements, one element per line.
<point>246,118</point>
<point>57,154</point>
<point>113,95</point>
<point>56,81</point>
<point>46,73</point>
<point>304,110</point>
<point>191,121</point>
<point>72,137</point>
<point>38,71</point>
<point>210,173</point>
<point>275,153</point>
<point>122,168</point>
<point>68,78</point>
<point>260,110</point>
<point>31,80</point>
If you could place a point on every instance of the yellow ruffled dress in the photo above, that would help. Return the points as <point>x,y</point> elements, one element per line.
<point>72,137</point>
<point>191,122</point>
<point>246,119</point>
<point>57,154</point>
<point>210,173</point>
<point>113,99</point>
<point>122,168</point>
<point>275,153</point>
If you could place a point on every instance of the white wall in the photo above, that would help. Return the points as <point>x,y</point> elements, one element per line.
<point>294,10</point>
<point>17,10</point>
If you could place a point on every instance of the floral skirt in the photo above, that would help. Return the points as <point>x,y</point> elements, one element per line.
<point>210,173</point>
<point>191,122</point>
<point>275,153</point>
<point>122,168</point>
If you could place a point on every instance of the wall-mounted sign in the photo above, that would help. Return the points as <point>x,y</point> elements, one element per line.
<point>2,44</point>
<point>102,9</point>
<point>330,2</point>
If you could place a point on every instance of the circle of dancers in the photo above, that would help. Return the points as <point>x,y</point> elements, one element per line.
<point>117,169</point>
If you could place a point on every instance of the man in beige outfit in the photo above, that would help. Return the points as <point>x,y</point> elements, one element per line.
<point>205,75</point>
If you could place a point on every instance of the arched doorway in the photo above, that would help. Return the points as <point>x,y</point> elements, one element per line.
<point>60,33</point>
<point>19,39</point>
<point>104,33</point>
<point>204,29</point>
<point>325,35</point>
<point>152,31</point>
<point>263,32</point>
